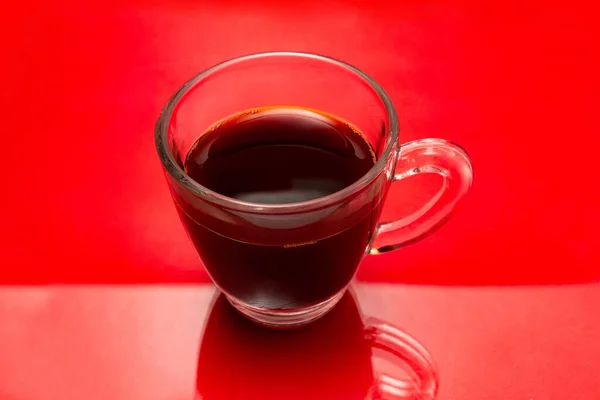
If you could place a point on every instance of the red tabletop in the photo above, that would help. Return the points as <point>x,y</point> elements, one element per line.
<point>102,295</point>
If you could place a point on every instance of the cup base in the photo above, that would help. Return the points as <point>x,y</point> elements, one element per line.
<point>284,319</point>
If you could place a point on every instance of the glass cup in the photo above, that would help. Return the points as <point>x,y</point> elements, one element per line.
<point>284,265</point>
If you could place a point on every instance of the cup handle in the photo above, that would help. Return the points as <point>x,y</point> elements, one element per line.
<point>427,156</point>
<point>423,380</point>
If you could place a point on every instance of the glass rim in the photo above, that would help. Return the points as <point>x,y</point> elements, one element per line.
<point>177,173</point>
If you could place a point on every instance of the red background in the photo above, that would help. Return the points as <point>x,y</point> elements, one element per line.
<point>505,295</point>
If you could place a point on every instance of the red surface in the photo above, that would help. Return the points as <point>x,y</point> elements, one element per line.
<point>84,201</point>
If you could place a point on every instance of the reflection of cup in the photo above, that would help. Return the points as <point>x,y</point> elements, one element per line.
<point>330,359</point>
<point>287,264</point>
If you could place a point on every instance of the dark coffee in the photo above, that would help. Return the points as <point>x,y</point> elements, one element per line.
<point>281,155</point>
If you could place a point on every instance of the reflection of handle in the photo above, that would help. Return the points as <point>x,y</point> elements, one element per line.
<point>423,382</point>
<point>426,156</point>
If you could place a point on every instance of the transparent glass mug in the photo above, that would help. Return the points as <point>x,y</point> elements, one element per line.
<point>287,264</point>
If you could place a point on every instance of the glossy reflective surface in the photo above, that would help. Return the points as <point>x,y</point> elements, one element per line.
<point>507,295</point>
<point>160,342</point>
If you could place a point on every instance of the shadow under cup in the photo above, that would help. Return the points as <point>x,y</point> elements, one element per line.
<point>287,264</point>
